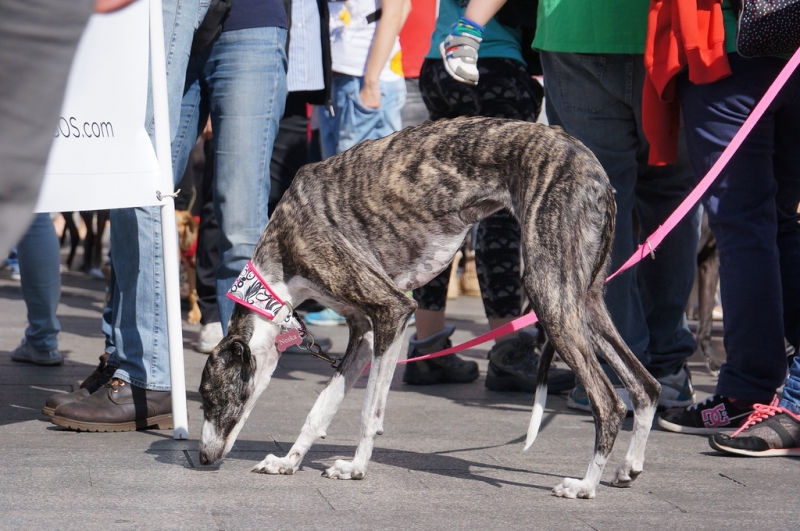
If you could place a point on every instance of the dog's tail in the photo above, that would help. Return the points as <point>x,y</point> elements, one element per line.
<point>540,397</point>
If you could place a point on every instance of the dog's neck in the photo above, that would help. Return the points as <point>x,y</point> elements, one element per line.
<point>270,299</point>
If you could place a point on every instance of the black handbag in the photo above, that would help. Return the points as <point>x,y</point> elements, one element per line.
<point>768,27</point>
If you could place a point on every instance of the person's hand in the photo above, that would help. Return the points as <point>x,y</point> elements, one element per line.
<point>107,6</point>
<point>370,94</point>
<point>460,51</point>
<point>207,133</point>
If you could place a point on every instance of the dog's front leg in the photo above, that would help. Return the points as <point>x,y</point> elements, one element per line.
<point>372,415</point>
<point>321,415</point>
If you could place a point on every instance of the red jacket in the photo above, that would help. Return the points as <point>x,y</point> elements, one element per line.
<point>680,34</point>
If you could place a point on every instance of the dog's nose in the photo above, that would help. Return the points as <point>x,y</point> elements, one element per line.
<point>204,460</point>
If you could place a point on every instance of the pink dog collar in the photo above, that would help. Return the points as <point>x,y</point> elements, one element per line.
<point>250,290</point>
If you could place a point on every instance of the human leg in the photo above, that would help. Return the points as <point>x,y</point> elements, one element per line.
<point>432,333</point>
<point>39,260</point>
<point>597,98</point>
<point>245,123</point>
<point>290,151</point>
<point>139,343</point>
<point>752,211</point>
<point>207,259</point>
<point>139,311</point>
<point>742,211</point>
<point>665,284</point>
<point>505,90</point>
<point>591,97</point>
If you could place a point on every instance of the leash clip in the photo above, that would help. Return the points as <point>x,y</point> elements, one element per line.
<point>314,349</point>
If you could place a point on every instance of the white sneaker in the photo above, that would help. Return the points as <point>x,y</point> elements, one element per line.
<point>209,337</point>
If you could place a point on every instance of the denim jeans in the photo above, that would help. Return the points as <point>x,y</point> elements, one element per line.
<point>598,99</point>
<point>752,211</point>
<point>40,272</point>
<point>140,349</point>
<point>353,122</point>
<point>240,80</point>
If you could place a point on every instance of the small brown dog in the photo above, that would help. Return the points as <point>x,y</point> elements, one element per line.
<point>188,227</point>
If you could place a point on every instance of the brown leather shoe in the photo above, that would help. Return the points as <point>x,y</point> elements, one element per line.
<point>117,406</point>
<point>101,375</point>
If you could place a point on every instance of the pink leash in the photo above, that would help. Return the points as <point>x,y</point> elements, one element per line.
<point>658,236</point>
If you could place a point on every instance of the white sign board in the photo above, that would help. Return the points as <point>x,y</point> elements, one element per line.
<point>102,156</point>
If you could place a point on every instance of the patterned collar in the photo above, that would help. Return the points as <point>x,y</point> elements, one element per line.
<point>250,290</point>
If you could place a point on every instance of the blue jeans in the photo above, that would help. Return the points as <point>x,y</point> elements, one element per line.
<point>752,211</point>
<point>40,276</point>
<point>140,348</point>
<point>353,122</point>
<point>240,81</point>
<point>598,100</point>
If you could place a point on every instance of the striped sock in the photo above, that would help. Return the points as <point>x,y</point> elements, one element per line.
<point>467,27</point>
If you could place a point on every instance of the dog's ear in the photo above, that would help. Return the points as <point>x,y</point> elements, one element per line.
<point>240,353</point>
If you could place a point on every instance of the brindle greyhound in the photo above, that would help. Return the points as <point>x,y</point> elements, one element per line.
<point>358,230</point>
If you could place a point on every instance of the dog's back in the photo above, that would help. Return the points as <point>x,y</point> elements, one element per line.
<point>424,184</point>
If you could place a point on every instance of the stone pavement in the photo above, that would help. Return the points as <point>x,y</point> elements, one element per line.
<point>451,457</point>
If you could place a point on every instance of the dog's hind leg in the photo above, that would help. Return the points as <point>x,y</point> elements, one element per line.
<point>573,345</point>
<point>389,322</point>
<point>642,387</point>
<point>358,354</point>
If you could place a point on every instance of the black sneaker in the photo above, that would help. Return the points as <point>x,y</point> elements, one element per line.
<point>770,431</point>
<point>513,364</point>
<point>444,369</point>
<point>713,415</point>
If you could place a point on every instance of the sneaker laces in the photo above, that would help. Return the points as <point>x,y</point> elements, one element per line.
<point>703,403</point>
<point>762,412</point>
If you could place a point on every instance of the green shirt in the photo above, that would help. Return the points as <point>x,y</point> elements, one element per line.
<point>592,26</point>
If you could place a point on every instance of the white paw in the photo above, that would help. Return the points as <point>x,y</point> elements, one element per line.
<point>342,469</point>
<point>574,488</point>
<point>275,465</point>
<point>625,474</point>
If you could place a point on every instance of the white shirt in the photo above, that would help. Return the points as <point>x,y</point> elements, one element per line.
<point>351,37</point>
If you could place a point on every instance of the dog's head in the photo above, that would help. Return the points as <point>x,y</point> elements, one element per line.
<point>187,229</point>
<point>235,375</point>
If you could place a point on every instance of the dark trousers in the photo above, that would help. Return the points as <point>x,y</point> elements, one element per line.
<point>291,149</point>
<point>752,211</point>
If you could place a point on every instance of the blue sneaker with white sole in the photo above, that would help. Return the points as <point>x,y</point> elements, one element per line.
<point>326,317</point>
<point>677,390</point>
